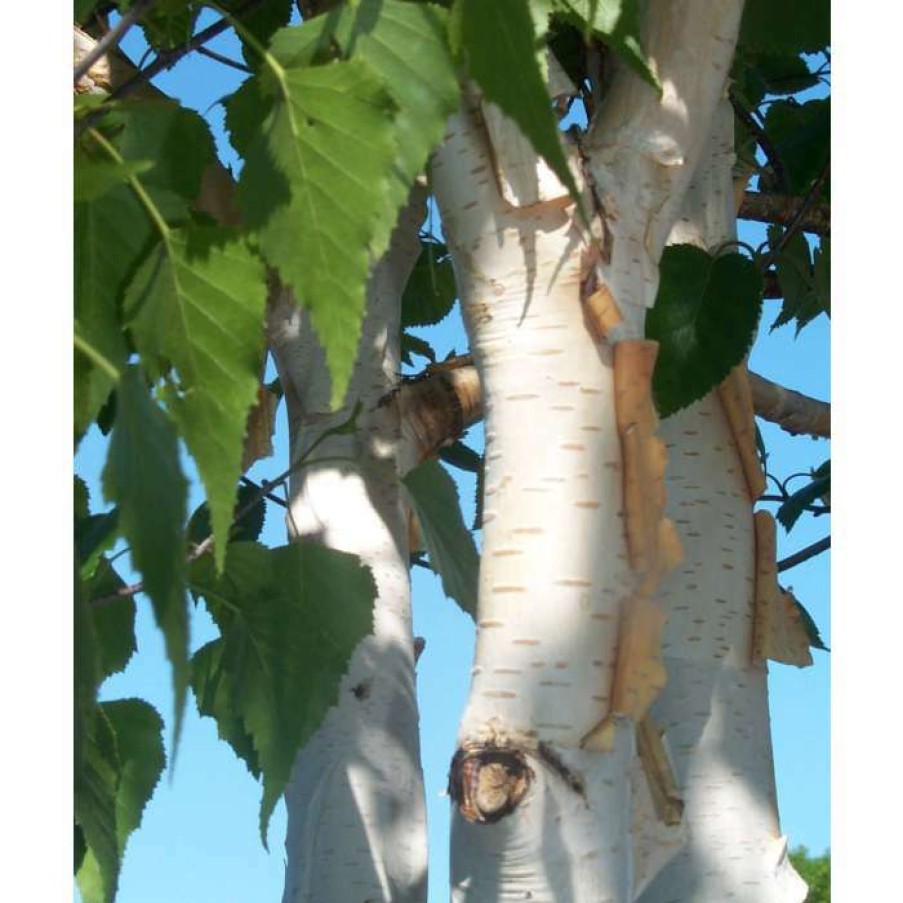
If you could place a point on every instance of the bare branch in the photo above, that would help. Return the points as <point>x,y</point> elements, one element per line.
<point>782,209</point>
<point>111,39</point>
<point>762,139</point>
<point>792,411</point>
<point>795,224</point>
<point>805,554</point>
<point>165,60</point>
<point>226,61</point>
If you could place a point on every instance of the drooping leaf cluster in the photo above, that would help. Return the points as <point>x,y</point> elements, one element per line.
<point>334,125</point>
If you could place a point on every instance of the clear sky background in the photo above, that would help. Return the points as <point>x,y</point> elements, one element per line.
<point>199,838</point>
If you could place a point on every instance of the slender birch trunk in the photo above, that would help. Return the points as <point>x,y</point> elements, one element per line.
<point>714,709</point>
<point>356,810</point>
<point>567,656</point>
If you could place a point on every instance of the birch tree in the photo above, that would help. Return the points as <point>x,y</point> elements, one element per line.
<point>588,162</point>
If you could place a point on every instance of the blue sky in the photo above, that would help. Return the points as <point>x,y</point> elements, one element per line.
<point>199,839</point>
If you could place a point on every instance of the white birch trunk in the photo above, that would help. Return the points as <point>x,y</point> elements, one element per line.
<point>714,708</point>
<point>543,812</point>
<point>356,810</point>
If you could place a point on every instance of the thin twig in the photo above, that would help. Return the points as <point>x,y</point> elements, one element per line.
<point>213,55</point>
<point>762,140</point>
<point>111,39</point>
<point>165,60</point>
<point>266,495</point>
<point>805,554</point>
<point>810,509</point>
<point>793,226</point>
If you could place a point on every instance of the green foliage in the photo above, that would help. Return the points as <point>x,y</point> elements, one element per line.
<point>804,278</point>
<point>124,762</point>
<point>452,552</point>
<point>801,136</point>
<point>260,24</point>
<point>167,23</point>
<point>756,75</point>
<point>816,489</point>
<point>704,318</point>
<point>197,304</point>
<point>333,127</point>
<point>431,290</point>
<point>144,477</point>
<point>289,618</point>
<point>246,522</point>
<point>461,456</point>
<point>362,125</point>
<point>816,872</point>
<point>774,26</point>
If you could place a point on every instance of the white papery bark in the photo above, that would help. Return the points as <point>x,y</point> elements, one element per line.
<point>539,814</point>
<point>356,811</point>
<point>643,151</point>
<point>715,707</point>
<point>547,621</point>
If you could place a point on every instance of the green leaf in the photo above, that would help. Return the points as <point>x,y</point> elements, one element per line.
<point>216,694</point>
<point>407,47</point>
<point>812,630</point>
<point>431,291</point>
<point>86,671</point>
<point>144,478</point>
<point>82,9</point>
<point>114,622</point>
<point>461,456</point>
<point>801,135</point>
<point>167,23</point>
<point>412,344</point>
<point>498,39</point>
<point>704,318</point>
<point>449,543</point>
<point>314,187</point>
<point>806,294</point>
<point>93,178</point>
<point>94,535</point>
<point>139,743</point>
<point>177,141</point>
<point>112,234</point>
<point>775,26</point>
<point>81,497</point>
<point>79,848</point>
<point>789,512</point>
<point>245,530</point>
<point>756,75</point>
<point>262,22</point>
<point>95,813</point>
<point>290,618</point>
<point>197,302</point>
<point>128,763</point>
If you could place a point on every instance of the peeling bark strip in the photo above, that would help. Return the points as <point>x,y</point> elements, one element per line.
<point>645,458</point>
<point>778,632</point>
<point>659,770</point>
<point>602,313</point>
<point>736,397</point>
